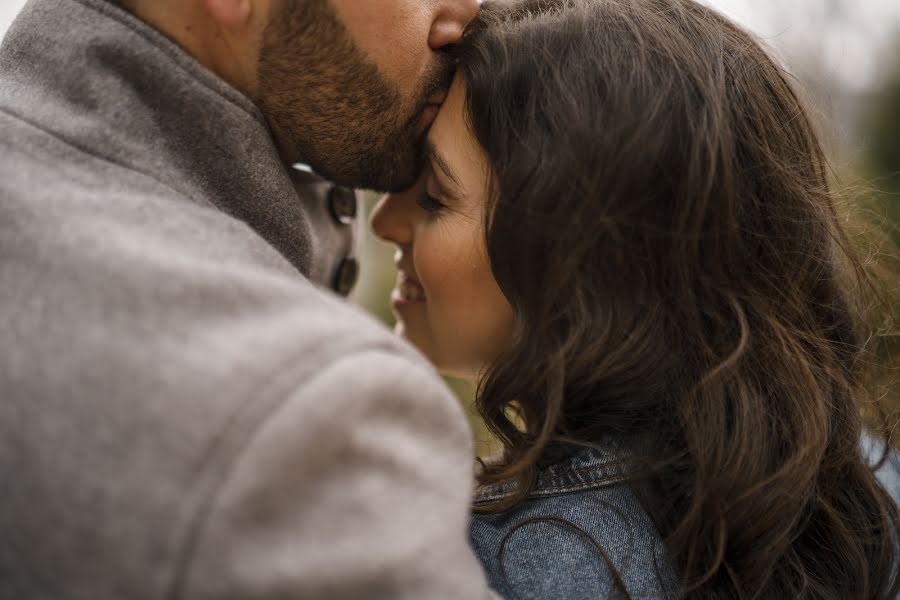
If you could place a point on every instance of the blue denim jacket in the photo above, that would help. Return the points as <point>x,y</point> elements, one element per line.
<point>552,546</point>
<point>555,545</point>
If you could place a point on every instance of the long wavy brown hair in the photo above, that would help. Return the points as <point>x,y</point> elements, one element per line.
<point>661,220</point>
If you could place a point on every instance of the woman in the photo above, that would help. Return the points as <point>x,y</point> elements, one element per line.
<point>625,234</point>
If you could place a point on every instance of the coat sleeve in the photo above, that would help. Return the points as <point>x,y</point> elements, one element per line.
<point>357,486</point>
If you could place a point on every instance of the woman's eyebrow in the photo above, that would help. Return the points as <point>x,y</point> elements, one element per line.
<point>438,160</point>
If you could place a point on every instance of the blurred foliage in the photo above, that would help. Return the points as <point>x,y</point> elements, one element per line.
<point>880,165</point>
<point>881,160</point>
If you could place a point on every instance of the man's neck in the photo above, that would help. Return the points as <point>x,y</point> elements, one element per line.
<point>232,55</point>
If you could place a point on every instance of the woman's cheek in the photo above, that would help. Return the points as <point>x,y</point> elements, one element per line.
<point>438,251</point>
<point>440,260</point>
<point>469,318</point>
<point>430,264</point>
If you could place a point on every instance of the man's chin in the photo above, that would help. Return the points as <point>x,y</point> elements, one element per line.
<point>395,174</point>
<point>362,172</point>
<point>402,163</point>
<point>381,161</point>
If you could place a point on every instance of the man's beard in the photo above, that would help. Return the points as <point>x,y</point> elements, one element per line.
<point>334,107</point>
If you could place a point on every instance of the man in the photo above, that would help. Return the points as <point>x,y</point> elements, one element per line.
<point>184,413</point>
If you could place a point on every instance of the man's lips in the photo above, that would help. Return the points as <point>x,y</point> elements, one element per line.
<point>432,107</point>
<point>428,115</point>
<point>438,97</point>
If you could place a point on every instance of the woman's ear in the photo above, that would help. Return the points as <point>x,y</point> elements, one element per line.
<point>229,14</point>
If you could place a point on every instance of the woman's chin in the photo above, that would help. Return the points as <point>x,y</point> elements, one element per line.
<point>400,330</point>
<point>409,334</point>
<point>403,330</point>
<point>440,364</point>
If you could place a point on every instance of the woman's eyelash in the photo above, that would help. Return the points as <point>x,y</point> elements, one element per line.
<point>429,203</point>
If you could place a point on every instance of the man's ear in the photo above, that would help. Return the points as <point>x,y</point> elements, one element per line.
<point>229,14</point>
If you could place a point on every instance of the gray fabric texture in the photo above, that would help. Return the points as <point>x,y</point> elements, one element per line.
<point>183,413</point>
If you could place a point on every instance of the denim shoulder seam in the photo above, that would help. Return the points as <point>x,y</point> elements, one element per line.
<point>498,491</point>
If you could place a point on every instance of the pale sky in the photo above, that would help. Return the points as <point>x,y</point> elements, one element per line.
<point>8,11</point>
<point>848,40</point>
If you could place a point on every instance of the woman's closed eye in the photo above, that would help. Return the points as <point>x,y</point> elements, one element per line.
<point>429,203</point>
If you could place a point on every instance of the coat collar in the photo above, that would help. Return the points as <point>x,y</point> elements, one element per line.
<point>106,83</point>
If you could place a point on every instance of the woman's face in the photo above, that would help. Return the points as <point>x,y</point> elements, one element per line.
<point>446,299</point>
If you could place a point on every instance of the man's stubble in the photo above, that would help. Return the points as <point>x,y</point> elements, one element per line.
<point>334,107</point>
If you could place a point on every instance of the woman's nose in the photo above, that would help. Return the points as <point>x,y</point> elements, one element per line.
<point>390,220</point>
<point>394,217</point>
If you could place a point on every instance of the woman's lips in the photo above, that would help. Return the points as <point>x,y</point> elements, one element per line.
<point>407,291</point>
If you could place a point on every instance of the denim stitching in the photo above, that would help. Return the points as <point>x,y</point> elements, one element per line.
<point>559,479</point>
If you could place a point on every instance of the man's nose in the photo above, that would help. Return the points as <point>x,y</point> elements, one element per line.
<point>450,21</point>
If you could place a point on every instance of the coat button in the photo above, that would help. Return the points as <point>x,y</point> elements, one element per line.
<point>342,202</point>
<point>345,277</point>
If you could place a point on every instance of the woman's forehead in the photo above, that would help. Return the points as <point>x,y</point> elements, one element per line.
<point>451,145</point>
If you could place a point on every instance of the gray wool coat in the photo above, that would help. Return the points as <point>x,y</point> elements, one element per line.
<point>184,414</point>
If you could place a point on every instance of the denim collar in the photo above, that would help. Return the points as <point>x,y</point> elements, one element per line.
<point>589,468</point>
